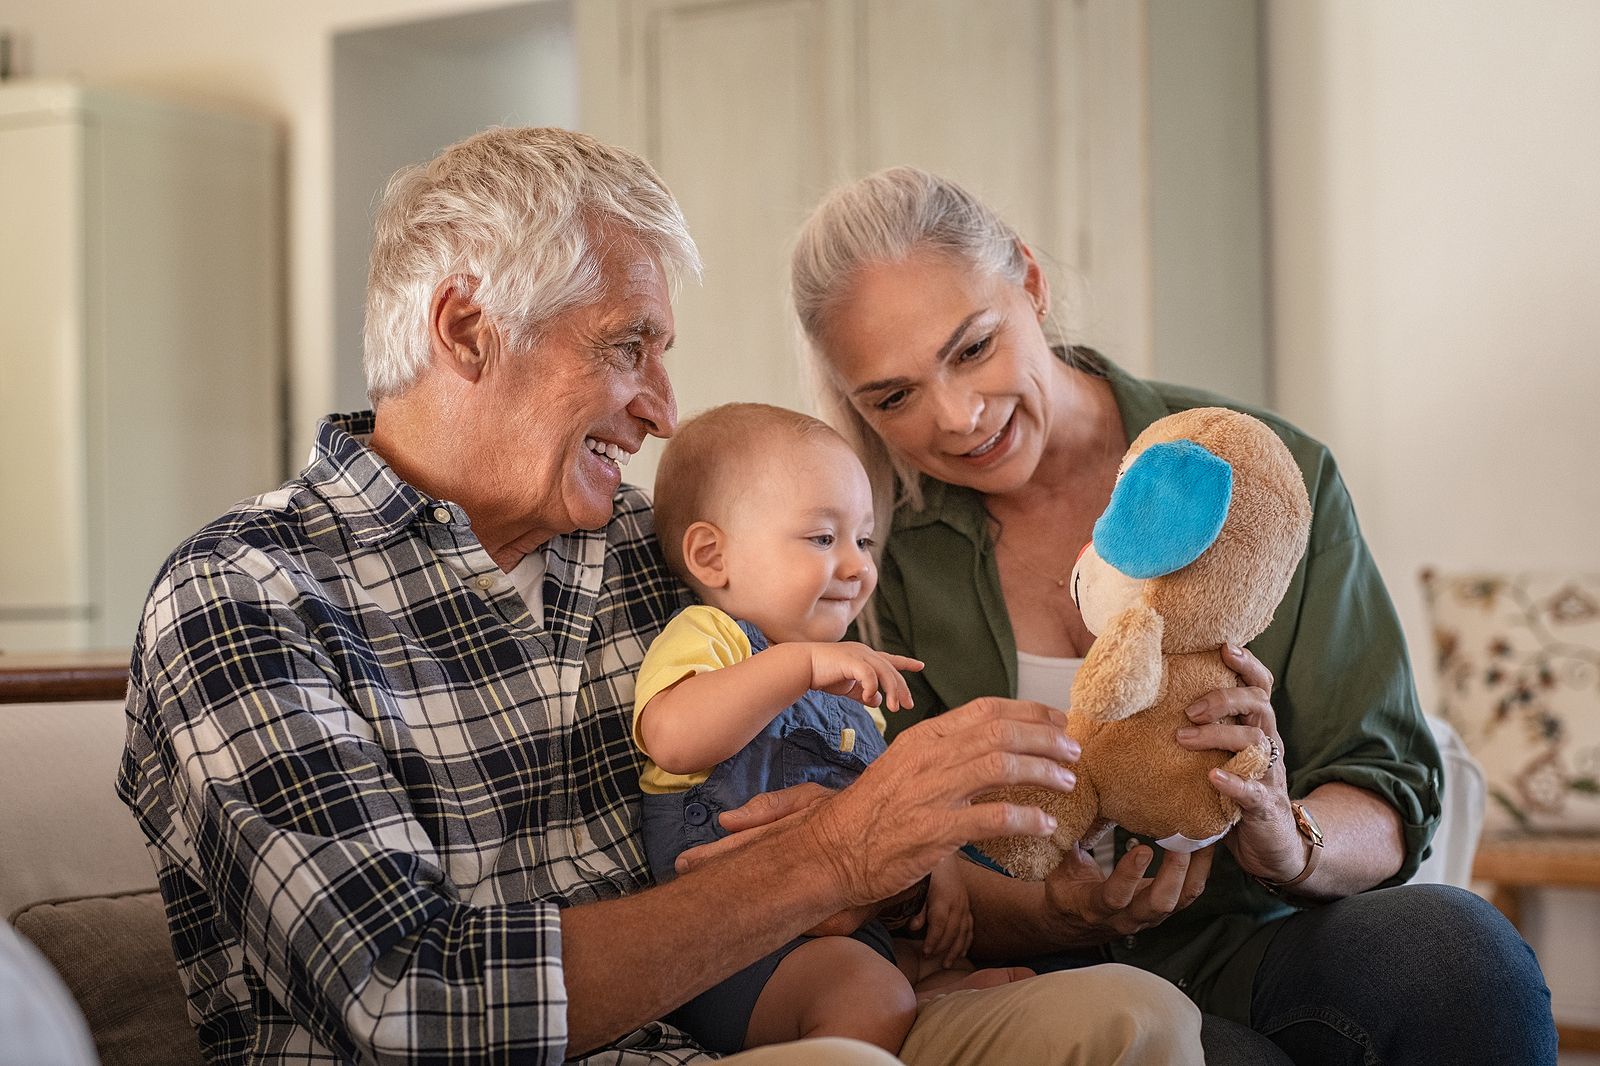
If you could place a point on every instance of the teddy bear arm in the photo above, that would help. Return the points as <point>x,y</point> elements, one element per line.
<point>1122,674</point>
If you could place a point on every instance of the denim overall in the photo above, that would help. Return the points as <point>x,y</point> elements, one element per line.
<point>799,745</point>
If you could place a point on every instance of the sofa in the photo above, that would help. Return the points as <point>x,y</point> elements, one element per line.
<point>77,882</point>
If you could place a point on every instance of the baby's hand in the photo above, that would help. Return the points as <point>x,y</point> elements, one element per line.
<point>947,915</point>
<point>855,670</point>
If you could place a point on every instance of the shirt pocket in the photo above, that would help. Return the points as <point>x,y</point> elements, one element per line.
<point>809,754</point>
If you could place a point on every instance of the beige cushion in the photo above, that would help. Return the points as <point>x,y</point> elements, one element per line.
<point>114,956</point>
<point>63,832</point>
<point>1518,657</point>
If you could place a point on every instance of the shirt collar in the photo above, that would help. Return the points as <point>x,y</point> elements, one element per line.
<point>373,502</point>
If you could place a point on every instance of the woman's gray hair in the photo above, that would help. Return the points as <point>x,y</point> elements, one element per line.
<point>885,218</point>
<point>519,216</point>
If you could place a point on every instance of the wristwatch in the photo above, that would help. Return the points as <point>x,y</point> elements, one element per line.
<point>1309,829</point>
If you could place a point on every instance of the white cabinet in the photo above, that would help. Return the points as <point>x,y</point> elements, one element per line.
<point>141,385</point>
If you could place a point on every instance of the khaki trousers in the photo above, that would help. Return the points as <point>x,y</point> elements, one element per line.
<point>1108,1015</point>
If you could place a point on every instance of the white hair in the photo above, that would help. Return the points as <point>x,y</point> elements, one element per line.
<point>518,217</point>
<point>885,218</point>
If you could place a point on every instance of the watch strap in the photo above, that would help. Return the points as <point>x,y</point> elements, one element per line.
<point>1308,829</point>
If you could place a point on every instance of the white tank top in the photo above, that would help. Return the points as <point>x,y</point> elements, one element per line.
<point>1046,679</point>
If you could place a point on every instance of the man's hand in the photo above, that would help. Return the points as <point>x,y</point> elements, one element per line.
<point>766,813</point>
<point>861,673</point>
<point>913,805</point>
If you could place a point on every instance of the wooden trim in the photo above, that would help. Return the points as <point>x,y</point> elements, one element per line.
<point>64,677</point>
<point>1566,861</point>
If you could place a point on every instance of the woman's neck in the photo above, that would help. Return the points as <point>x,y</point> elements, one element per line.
<point>1081,451</point>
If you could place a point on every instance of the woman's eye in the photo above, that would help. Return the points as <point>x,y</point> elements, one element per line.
<point>823,540</point>
<point>892,401</point>
<point>974,350</point>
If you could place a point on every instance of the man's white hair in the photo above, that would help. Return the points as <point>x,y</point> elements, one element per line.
<point>516,216</point>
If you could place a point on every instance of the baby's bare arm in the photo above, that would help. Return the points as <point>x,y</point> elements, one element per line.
<point>705,718</point>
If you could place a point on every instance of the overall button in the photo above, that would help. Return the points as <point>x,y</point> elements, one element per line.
<point>696,813</point>
<point>441,514</point>
<point>484,582</point>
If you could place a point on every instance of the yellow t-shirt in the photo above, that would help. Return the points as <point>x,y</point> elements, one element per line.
<point>698,640</point>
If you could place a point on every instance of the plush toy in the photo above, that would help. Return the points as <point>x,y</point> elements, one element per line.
<point>1206,524</point>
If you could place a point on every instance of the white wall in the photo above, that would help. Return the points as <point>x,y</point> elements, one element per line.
<point>1434,191</point>
<point>449,77</point>
<point>272,59</point>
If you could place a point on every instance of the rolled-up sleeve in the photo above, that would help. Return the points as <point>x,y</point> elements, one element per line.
<point>1345,696</point>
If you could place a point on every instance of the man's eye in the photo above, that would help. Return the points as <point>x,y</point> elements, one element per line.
<point>893,400</point>
<point>822,540</point>
<point>974,350</point>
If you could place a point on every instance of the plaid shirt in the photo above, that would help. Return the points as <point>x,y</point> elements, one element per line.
<point>370,778</point>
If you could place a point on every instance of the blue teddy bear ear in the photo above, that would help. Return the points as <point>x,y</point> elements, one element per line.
<point>1166,510</point>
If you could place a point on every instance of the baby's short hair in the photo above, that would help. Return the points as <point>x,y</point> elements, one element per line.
<point>709,460</point>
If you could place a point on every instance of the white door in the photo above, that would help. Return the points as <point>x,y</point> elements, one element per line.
<point>752,109</point>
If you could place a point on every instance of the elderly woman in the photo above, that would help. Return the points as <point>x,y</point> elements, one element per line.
<point>996,450</point>
<point>379,718</point>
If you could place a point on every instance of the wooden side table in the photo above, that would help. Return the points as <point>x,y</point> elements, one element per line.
<point>1509,864</point>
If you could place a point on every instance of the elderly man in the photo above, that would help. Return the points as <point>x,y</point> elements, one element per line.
<point>379,718</point>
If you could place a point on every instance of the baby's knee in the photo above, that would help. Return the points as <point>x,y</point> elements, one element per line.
<point>858,994</point>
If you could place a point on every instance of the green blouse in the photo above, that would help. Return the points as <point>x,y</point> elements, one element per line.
<point>1345,700</point>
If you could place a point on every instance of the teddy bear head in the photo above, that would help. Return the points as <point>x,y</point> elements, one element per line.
<point>1206,524</point>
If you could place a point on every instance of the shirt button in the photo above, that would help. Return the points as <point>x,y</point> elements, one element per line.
<point>696,813</point>
<point>484,582</point>
<point>441,514</point>
<point>1128,942</point>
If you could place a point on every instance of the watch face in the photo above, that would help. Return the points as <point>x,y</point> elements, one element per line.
<point>1308,825</point>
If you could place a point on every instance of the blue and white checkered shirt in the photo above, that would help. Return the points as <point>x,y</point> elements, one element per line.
<point>370,778</point>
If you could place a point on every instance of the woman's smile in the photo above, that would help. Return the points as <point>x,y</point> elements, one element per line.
<point>996,449</point>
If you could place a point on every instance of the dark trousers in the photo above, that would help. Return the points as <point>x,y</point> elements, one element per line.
<point>1417,974</point>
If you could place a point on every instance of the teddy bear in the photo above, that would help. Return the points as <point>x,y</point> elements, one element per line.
<point>1206,525</point>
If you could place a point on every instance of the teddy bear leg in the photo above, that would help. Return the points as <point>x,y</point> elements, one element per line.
<point>1251,763</point>
<point>1032,858</point>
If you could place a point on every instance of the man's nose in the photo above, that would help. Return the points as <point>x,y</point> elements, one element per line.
<point>655,405</point>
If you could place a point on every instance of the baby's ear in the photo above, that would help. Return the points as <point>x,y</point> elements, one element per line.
<point>702,554</point>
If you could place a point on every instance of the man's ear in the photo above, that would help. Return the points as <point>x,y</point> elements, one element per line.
<point>702,554</point>
<point>459,335</point>
<point>1034,282</point>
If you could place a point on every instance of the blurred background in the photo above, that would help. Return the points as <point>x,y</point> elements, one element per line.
<point>1378,217</point>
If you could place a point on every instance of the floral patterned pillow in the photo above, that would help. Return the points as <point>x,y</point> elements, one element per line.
<point>1519,677</point>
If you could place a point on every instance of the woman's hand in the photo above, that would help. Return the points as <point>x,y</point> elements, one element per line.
<point>1095,907</point>
<point>1266,842</point>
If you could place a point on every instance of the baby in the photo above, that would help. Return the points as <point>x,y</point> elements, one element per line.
<point>767,514</point>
